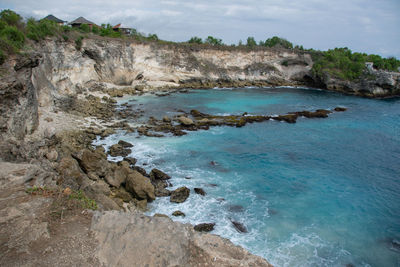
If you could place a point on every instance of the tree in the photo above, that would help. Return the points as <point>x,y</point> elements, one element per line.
<point>213,41</point>
<point>10,17</point>
<point>278,41</point>
<point>195,40</point>
<point>251,42</point>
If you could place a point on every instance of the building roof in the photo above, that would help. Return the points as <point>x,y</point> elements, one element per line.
<point>53,18</point>
<point>121,26</point>
<point>81,20</point>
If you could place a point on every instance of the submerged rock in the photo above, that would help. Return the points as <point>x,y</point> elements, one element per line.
<point>178,213</point>
<point>199,191</point>
<point>239,227</point>
<point>235,208</point>
<point>340,109</point>
<point>204,227</point>
<point>180,195</point>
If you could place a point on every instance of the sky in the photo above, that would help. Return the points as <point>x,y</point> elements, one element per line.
<point>370,26</point>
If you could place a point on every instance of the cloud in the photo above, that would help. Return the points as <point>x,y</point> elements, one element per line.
<point>362,25</point>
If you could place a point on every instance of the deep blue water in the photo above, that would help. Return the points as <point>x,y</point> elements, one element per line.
<point>321,192</point>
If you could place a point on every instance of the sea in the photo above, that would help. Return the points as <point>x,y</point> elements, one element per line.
<point>320,192</point>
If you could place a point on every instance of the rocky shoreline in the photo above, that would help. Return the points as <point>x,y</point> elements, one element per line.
<point>60,196</point>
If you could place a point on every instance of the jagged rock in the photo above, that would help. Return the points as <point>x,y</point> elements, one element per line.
<point>118,175</point>
<point>239,227</point>
<point>156,174</point>
<point>204,227</point>
<point>92,162</point>
<point>185,121</point>
<point>178,213</point>
<point>52,155</point>
<point>140,186</point>
<point>124,144</point>
<point>180,195</point>
<point>140,170</point>
<point>199,191</point>
<point>130,160</point>
<point>70,173</point>
<point>123,194</point>
<point>118,150</point>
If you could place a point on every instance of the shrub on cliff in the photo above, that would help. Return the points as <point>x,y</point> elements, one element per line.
<point>251,42</point>
<point>12,37</point>
<point>213,41</point>
<point>38,30</point>
<point>343,64</point>
<point>278,41</point>
<point>195,40</point>
<point>11,18</point>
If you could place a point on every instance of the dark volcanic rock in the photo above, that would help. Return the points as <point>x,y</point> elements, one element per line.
<point>178,213</point>
<point>204,227</point>
<point>156,174</point>
<point>130,160</point>
<point>180,195</point>
<point>340,109</point>
<point>199,191</point>
<point>124,144</point>
<point>141,170</point>
<point>118,150</point>
<point>239,227</point>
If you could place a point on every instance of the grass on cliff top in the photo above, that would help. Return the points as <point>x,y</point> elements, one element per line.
<point>339,62</point>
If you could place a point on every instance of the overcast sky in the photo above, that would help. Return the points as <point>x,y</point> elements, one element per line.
<point>371,26</point>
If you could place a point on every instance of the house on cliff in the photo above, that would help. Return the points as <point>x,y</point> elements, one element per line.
<point>55,19</point>
<point>123,29</point>
<point>81,20</point>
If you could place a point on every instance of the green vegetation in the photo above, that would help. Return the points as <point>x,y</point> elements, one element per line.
<point>84,201</point>
<point>277,41</point>
<point>343,64</point>
<point>213,41</point>
<point>195,40</point>
<point>78,43</point>
<point>38,30</point>
<point>251,42</point>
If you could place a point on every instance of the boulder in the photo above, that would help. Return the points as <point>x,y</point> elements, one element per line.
<point>93,162</point>
<point>140,186</point>
<point>185,121</point>
<point>70,173</point>
<point>124,144</point>
<point>156,174</point>
<point>199,191</point>
<point>239,227</point>
<point>180,195</point>
<point>130,160</point>
<point>178,213</point>
<point>118,175</point>
<point>122,194</point>
<point>140,170</point>
<point>204,227</point>
<point>118,150</point>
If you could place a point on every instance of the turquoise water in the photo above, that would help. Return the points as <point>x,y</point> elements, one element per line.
<point>321,192</point>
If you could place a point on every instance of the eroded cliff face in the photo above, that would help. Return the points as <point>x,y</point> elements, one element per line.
<point>117,63</point>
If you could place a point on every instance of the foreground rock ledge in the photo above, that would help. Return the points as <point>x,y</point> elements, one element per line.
<point>121,243</point>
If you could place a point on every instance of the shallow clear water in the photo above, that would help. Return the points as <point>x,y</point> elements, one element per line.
<point>321,192</point>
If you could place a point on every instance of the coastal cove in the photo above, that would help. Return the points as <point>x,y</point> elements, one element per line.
<point>320,192</point>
